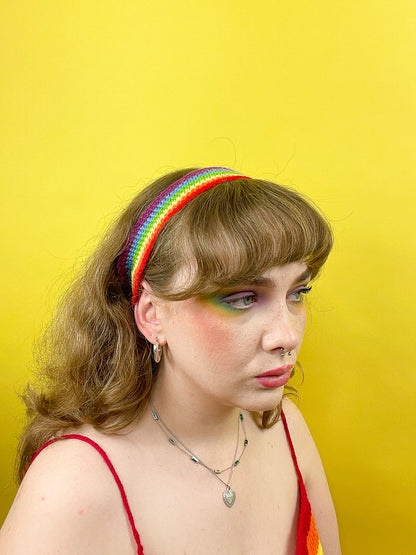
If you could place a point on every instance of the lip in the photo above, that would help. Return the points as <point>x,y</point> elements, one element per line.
<point>276,377</point>
<point>277,371</point>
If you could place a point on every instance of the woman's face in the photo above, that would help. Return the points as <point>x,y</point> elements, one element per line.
<point>226,348</point>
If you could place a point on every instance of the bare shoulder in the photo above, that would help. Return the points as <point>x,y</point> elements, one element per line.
<point>66,503</point>
<point>314,478</point>
<point>295,420</point>
<point>304,445</point>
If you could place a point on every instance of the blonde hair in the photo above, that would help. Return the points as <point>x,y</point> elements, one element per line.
<point>94,364</point>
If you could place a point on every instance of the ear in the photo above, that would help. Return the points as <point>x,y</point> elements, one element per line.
<point>145,316</point>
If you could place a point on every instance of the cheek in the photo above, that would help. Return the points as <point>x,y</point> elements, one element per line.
<point>215,337</point>
<point>301,324</point>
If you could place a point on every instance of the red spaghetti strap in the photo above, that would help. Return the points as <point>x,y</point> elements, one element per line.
<point>292,450</point>
<point>113,472</point>
<point>307,536</point>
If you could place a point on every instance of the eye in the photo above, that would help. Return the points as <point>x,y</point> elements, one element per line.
<point>239,301</point>
<point>298,295</point>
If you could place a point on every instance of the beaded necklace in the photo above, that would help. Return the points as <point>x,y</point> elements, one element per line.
<point>228,494</point>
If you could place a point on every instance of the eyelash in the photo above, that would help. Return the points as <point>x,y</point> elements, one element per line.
<point>301,294</point>
<point>230,302</point>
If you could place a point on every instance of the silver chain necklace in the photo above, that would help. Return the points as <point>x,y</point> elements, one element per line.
<point>228,494</point>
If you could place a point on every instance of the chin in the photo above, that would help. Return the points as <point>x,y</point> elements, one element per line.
<point>261,405</point>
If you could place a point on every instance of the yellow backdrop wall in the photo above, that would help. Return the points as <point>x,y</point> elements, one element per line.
<point>99,97</point>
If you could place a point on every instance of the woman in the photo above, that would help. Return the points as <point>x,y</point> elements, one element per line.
<point>161,426</point>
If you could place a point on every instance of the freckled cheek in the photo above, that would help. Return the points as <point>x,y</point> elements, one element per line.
<point>302,323</point>
<point>215,338</point>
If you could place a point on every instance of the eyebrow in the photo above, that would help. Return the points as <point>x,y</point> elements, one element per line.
<point>267,282</point>
<point>262,281</point>
<point>305,275</point>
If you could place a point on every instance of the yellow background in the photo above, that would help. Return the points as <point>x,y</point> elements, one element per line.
<point>98,97</point>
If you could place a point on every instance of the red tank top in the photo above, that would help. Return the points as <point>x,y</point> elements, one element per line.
<point>307,542</point>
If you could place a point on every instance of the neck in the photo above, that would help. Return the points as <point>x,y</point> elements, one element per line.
<point>192,415</point>
<point>209,429</point>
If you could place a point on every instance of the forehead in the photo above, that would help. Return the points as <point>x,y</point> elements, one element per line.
<point>293,272</point>
<point>288,273</point>
<point>280,276</point>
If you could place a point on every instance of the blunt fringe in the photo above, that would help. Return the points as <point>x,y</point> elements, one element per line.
<point>93,364</point>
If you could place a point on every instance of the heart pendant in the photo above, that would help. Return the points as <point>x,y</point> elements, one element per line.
<point>229,497</point>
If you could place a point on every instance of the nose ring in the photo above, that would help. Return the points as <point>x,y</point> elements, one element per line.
<point>282,352</point>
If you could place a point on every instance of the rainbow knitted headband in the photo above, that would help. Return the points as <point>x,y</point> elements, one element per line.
<point>132,261</point>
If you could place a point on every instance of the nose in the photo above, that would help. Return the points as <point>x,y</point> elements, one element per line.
<point>283,330</point>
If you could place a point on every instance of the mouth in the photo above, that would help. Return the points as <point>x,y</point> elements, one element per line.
<point>276,377</point>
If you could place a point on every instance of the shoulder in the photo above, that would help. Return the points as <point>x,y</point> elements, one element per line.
<point>61,466</point>
<point>314,477</point>
<point>300,435</point>
<point>307,454</point>
<point>63,503</point>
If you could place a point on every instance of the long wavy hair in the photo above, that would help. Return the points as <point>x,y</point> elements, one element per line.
<point>94,365</point>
